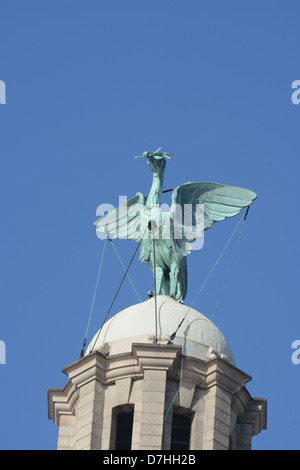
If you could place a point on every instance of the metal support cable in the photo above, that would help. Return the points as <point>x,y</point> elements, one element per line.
<point>118,290</point>
<point>93,302</point>
<point>243,218</point>
<point>129,278</point>
<point>155,293</point>
<point>179,387</point>
<point>226,276</point>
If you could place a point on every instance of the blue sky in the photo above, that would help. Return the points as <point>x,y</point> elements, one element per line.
<point>90,84</point>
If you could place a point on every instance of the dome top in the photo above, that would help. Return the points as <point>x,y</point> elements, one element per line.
<point>136,324</point>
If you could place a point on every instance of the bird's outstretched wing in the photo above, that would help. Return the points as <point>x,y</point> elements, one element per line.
<point>219,201</point>
<point>126,221</point>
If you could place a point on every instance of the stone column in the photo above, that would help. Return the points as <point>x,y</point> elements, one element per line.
<point>87,378</point>
<point>148,427</point>
<point>222,383</point>
<point>249,417</point>
<point>61,406</point>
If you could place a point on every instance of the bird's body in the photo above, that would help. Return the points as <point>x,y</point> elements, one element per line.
<point>170,268</point>
<point>165,237</point>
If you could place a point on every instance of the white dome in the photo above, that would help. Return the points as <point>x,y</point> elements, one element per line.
<point>136,324</point>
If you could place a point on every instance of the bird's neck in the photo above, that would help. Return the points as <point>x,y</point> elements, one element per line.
<point>156,189</point>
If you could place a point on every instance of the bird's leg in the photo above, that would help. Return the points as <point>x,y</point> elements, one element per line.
<point>179,296</point>
<point>165,285</point>
<point>159,272</point>
<point>174,271</point>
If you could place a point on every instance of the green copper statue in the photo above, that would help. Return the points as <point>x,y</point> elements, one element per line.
<point>165,237</point>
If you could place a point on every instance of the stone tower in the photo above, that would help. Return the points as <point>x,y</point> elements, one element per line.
<point>135,389</point>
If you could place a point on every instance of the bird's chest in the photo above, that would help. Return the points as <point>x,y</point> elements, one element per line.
<point>156,252</point>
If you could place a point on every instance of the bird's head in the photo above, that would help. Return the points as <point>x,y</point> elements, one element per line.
<point>156,160</point>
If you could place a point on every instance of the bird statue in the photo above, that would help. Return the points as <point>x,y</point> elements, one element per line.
<point>165,237</point>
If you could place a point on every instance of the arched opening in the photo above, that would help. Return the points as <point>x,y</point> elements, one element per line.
<point>181,432</point>
<point>122,423</point>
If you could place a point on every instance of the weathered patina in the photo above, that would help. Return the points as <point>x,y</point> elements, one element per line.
<point>165,237</point>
